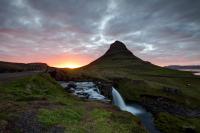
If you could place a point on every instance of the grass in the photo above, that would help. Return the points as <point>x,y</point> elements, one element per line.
<point>180,124</point>
<point>61,108</point>
<point>60,116</point>
<point>188,96</point>
<point>132,86</point>
<point>134,78</point>
<point>96,120</point>
<point>19,67</point>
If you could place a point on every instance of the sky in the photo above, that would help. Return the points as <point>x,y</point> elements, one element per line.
<point>72,33</point>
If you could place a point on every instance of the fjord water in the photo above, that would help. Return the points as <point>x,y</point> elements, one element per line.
<point>137,110</point>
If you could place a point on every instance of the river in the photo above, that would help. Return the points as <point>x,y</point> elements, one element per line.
<point>145,117</point>
<point>90,91</point>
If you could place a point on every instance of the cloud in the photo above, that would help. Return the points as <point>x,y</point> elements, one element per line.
<point>158,30</point>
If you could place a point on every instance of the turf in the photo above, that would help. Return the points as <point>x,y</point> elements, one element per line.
<point>50,106</point>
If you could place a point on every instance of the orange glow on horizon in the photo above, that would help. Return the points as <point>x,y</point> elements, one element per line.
<point>69,60</point>
<point>68,65</point>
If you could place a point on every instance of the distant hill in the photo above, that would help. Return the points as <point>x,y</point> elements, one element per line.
<point>183,67</point>
<point>18,67</point>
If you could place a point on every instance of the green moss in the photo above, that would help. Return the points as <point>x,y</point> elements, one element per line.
<point>132,89</point>
<point>97,120</point>
<point>63,109</point>
<point>60,116</point>
<point>16,96</point>
<point>103,121</point>
<point>170,123</point>
<point>38,87</point>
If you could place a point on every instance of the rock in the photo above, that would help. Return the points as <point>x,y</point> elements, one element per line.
<point>71,85</point>
<point>52,73</point>
<point>105,89</point>
<point>83,95</point>
<point>189,129</point>
<point>96,90</point>
<point>3,125</point>
<point>156,104</point>
<point>188,84</point>
<point>174,91</point>
<point>71,90</point>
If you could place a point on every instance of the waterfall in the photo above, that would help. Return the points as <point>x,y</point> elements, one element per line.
<point>118,100</point>
<point>135,109</point>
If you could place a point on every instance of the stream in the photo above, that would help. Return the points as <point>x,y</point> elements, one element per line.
<point>90,91</point>
<point>145,117</point>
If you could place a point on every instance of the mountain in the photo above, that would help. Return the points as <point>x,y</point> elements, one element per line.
<point>166,92</point>
<point>117,51</point>
<point>177,67</point>
<point>118,60</point>
<point>135,78</point>
<point>18,67</point>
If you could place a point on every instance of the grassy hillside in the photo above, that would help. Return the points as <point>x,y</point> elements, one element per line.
<point>120,61</point>
<point>136,77</point>
<point>39,104</point>
<point>18,67</point>
<point>140,81</point>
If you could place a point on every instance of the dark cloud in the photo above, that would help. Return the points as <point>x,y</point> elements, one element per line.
<point>157,30</point>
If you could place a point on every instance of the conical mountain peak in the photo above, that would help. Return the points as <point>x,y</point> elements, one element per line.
<point>117,55</point>
<point>118,45</point>
<point>118,48</point>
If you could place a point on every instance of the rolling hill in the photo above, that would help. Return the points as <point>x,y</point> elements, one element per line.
<point>18,67</point>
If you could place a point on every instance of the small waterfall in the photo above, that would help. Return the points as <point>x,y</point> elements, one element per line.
<point>98,91</point>
<point>146,117</point>
<point>118,100</point>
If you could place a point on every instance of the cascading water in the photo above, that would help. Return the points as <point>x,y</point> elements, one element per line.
<point>118,100</point>
<point>145,117</point>
<point>89,90</point>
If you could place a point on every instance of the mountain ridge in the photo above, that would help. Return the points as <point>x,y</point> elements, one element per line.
<point>183,66</point>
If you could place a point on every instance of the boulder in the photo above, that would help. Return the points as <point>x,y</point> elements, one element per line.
<point>71,85</point>
<point>105,89</point>
<point>71,90</point>
<point>189,129</point>
<point>83,95</point>
<point>3,125</point>
<point>170,90</point>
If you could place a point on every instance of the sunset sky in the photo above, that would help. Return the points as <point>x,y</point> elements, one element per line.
<point>72,33</point>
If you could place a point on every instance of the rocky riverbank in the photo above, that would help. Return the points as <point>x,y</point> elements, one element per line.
<point>157,104</point>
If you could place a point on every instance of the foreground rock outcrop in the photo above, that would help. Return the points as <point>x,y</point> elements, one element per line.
<point>157,104</point>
